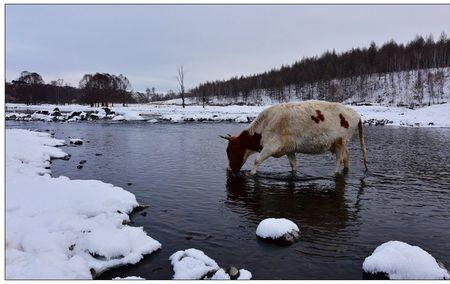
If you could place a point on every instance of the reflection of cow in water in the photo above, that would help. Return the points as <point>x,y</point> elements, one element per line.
<point>310,127</point>
<point>316,204</point>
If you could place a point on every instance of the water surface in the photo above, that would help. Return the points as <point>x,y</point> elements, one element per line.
<point>179,170</point>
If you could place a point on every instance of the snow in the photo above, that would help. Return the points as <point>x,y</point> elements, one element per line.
<point>403,261</point>
<point>58,228</point>
<point>191,264</point>
<point>244,275</point>
<point>220,275</point>
<point>275,227</point>
<point>129,278</point>
<point>119,117</point>
<point>194,264</point>
<point>430,116</point>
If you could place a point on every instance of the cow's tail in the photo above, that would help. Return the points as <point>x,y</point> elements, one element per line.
<point>363,144</point>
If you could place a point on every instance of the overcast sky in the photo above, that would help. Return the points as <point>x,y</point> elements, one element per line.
<point>147,43</point>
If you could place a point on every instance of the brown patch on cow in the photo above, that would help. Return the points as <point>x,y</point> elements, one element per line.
<point>344,122</point>
<point>250,142</point>
<point>237,146</point>
<point>319,116</point>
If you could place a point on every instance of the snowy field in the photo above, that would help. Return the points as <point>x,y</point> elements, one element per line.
<point>431,116</point>
<point>58,228</point>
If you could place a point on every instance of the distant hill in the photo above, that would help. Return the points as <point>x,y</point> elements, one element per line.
<point>417,73</point>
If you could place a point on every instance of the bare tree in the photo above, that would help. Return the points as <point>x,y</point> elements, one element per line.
<point>180,79</point>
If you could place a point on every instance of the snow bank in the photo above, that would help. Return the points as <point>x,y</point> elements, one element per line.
<point>275,228</point>
<point>193,264</point>
<point>402,261</point>
<point>432,116</point>
<point>58,228</point>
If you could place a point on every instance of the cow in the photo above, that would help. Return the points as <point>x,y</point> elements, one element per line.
<point>308,127</point>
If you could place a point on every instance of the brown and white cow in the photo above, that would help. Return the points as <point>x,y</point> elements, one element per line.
<point>309,127</point>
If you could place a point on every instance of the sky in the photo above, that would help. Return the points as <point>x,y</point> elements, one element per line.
<point>147,43</point>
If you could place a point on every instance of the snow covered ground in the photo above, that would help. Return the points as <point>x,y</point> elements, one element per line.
<point>400,260</point>
<point>431,116</point>
<point>58,228</point>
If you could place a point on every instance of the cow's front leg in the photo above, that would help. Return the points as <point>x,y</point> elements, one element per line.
<point>265,153</point>
<point>292,162</point>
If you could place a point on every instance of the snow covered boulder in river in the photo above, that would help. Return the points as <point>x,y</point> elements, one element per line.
<point>76,141</point>
<point>193,264</point>
<point>278,230</point>
<point>399,260</point>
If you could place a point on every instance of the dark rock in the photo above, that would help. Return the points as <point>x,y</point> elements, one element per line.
<point>72,247</point>
<point>79,167</point>
<point>233,272</point>
<point>431,123</point>
<point>129,183</point>
<point>144,214</point>
<point>108,111</point>
<point>56,113</point>
<point>118,211</point>
<point>98,154</point>
<point>56,109</point>
<point>375,276</point>
<point>82,161</point>
<point>285,240</point>
<point>189,238</point>
<point>74,113</point>
<point>76,142</point>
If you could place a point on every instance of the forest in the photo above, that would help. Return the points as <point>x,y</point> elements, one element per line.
<point>321,73</point>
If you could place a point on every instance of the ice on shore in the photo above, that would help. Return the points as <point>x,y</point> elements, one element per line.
<point>400,260</point>
<point>58,228</point>
<point>194,264</point>
<point>430,116</point>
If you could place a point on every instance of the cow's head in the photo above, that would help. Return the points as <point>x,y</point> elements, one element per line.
<point>240,148</point>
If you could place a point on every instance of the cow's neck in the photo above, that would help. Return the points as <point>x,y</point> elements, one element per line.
<point>251,142</point>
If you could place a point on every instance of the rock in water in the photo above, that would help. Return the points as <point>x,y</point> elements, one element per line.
<point>399,260</point>
<point>79,167</point>
<point>278,230</point>
<point>82,162</point>
<point>233,272</point>
<point>76,141</point>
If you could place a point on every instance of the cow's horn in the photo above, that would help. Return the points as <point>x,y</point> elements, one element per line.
<point>225,137</point>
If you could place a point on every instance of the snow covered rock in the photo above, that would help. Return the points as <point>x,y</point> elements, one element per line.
<point>76,141</point>
<point>58,228</point>
<point>399,260</point>
<point>278,230</point>
<point>129,278</point>
<point>193,264</point>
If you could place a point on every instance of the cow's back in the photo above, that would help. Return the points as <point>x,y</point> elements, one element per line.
<point>307,127</point>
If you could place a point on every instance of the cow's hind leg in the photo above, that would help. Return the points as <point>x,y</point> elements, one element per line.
<point>339,151</point>
<point>292,162</point>
<point>265,153</point>
<point>345,159</point>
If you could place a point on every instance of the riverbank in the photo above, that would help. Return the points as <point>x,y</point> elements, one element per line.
<point>59,228</point>
<point>431,116</point>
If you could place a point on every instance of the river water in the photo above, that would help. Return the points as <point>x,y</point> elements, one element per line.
<point>179,170</point>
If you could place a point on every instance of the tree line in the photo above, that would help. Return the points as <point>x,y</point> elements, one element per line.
<point>99,89</point>
<point>420,53</point>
